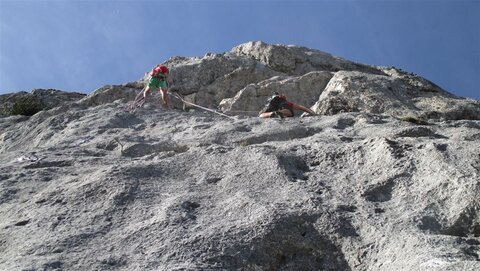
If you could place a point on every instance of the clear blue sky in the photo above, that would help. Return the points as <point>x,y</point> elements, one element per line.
<point>81,45</point>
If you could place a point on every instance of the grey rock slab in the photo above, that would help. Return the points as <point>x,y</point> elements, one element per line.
<point>191,190</point>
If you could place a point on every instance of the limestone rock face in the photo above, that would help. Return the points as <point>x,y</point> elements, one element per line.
<point>215,77</point>
<point>97,188</point>
<point>395,95</point>
<point>296,60</point>
<point>302,89</point>
<point>110,93</point>
<point>386,178</point>
<point>52,97</point>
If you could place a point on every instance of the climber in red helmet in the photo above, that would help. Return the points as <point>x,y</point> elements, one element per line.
<point>159,79</point>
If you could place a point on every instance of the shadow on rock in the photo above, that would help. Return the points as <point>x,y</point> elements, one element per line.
<point>292,243</point>
<point>295,167</point>
<point>466,224</point>
<point>142,149</point>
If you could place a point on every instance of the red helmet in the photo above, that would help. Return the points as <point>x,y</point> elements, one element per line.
<point>164,69</point>
<point>160,69</point>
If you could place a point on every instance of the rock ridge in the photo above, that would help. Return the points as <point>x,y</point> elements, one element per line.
<point>239,82</point>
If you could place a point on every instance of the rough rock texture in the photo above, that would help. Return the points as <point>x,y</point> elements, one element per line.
<point>296,60</point>
<point>303,90</point>
<point>395,94</point>
<point>89,186</point>
<point>98,189</point>
<point>109,93</point>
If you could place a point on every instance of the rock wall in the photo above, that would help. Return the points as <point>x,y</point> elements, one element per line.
<point>386,178</point>
<point>98,188</point>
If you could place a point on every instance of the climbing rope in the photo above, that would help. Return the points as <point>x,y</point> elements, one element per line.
<point>140,100</point>
<point>174,94</point>
<point>231,111</point>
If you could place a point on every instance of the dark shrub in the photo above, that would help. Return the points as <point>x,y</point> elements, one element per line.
<point>27,106</point>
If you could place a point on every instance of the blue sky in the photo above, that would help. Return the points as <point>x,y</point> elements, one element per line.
<point>81,45</point>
